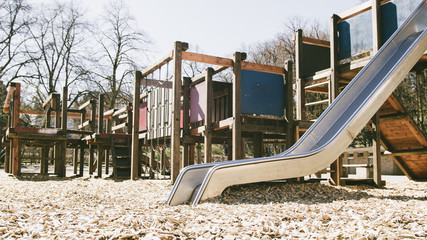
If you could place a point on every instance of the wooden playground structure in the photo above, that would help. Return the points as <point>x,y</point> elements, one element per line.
<point>177,113</point>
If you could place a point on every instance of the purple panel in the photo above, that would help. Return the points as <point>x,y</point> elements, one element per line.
<point>197,102</point>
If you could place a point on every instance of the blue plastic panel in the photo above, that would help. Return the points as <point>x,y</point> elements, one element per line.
<point>393,14</point>
<point>355,34</point>
<point>262,93</point>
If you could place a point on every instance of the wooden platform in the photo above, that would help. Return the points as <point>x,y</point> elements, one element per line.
<point>402,137</point>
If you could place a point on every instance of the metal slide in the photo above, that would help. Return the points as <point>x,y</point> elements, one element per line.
<point>330,135</point>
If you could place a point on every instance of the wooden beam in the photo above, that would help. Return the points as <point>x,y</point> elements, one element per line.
<point>409,152</point>
<point>156,65</point>
<point>203,58</point>
<point>315,42</point>
<point>395,103</point>
<point>366,6</point>
<point>156,83</point>
<point>262,68</point>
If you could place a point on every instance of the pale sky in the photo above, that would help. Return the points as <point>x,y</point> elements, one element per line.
<point>219,27</point>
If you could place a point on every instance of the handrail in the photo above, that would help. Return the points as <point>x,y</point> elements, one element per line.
<point>9,98</point>
<point>366,6</point>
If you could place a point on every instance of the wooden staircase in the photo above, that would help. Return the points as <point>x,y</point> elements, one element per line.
<point>403,138</point>
<point>120,151</point>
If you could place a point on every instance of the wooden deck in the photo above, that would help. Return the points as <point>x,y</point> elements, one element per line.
<point>402,137</point>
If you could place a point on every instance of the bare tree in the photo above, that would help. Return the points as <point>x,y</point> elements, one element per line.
<point>13,28</point>
<point>282,47</point>
<point>54,50</point>
<point>120,47</point>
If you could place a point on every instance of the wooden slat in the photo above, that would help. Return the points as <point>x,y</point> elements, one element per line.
<point>408,152</point>
<point>316,42</point>
<point>48,100</point>
<point>366,6</point>
<point>122,110</point>
<point>8,98</point>
<point>85,124</point>
<point>84,105</point>
<point>201,77</point>
<point>317,103</point>
<point>416,131</point>
<point>156,65</point>
<point>203,58</point>
<point>120,126</point>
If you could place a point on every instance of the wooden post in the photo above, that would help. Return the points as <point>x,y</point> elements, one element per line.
<point>44,162</point>
<point>7,159</point>
<point>82,159</point>
<point>258,145</point>
<point>100,113</point>
<point>176,109</point>
<point>99,160</point>
<point>56,101</point>
<point>377,150</point>
<point>334,89</point>
<point>333,80</point>
<point>135,127</point>
<point>64,109</point>
<point>92,115</point>
<point>208,115</point>
<point>63,159</point>
<point>75,160</point>
<point>376,40</point>
<point>162,160</point>
<point>107,161</point>
<point>16,143</point>
<point>376,25</point>
<point>300,84</point>
<point>289,105</point>
<point>237,106</point>
<point>91,159</point>
<point>152,162</point>
<point>192,154</point>
<point>186,120</point>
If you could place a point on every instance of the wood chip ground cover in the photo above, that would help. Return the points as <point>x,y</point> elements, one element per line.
<point>88,208</point>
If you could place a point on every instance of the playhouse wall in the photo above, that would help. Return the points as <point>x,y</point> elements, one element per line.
<point>143,116</point>
<point>262,93</point>
<point>314,58</point>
